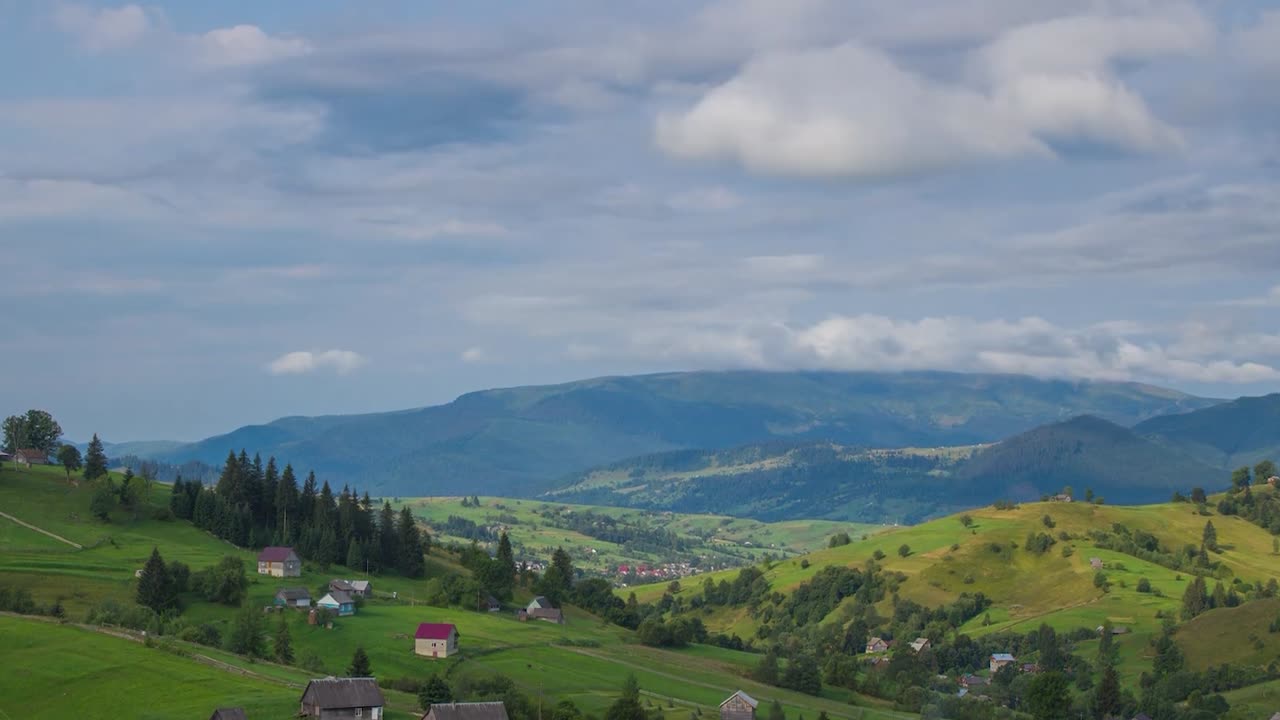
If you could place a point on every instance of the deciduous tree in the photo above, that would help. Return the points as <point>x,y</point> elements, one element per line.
<point>69,458</point>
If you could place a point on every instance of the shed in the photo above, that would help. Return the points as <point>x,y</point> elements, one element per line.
<point>920,644</point>
<point>30,456</point>
<point>342,698</point>
<point>467,711</point>
<point>738,706</point>
<point>294,597</point>
<point>876,644</point>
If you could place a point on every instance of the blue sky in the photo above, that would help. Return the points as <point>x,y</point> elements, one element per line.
<point>214,214</point>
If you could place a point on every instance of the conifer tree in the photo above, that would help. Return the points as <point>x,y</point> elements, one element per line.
<point>506,561</point>
<point>1209,539</point>
<point>434,690</point>
<point>287,507</point>
<point>359,666</point>
<point>95,460</point>
<point>154,589</point>
<point>776,712</point>
<point>1194,600</point>
<point>411,545</point>
<point>627,707</point>
<point>283,644</point>
<point>388,542</point>
<point>1106,698</point>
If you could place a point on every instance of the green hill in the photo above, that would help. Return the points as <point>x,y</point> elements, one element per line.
<point>1240,432</point>
<point>521,441</point>
<point>781,481</point>
<point>584,660</point>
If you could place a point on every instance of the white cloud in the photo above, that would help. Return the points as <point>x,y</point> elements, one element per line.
<point>245,45</point>
<point>105,29</point>
<point>474,355</point>
<point>851,110</point>
<point>341,362</point>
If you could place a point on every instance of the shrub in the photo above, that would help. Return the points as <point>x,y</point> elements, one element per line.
<point>804,563</point>
<point>1144,585</point>
<point>904,550</point>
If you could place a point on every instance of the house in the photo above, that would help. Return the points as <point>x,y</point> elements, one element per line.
<point>30,456</point>
<point>467,711</point>
<point>962,692</point>
<point>363,588</point>
<point>338,601</point>
<point>229,714</point>
<point>540,609</point>
<point>875,645</point>
<point>435,640</point>
<point>1272,481</point>
<point>1030,668</point>
<point>973,681</point>
<point>1115,629</point>
<point>920,644</point>
<point>1061,497</point>
<point>999,660</point>
<point>1095,563</point>
<point>294,597</point>
<point>738,706</point>
<point>342,698</point>
<point>343,585</point>
<point>279,562</point>
<point>539,602</point>
<point>490,604</point>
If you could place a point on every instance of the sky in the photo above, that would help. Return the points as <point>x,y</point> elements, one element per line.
<point>215,214</point>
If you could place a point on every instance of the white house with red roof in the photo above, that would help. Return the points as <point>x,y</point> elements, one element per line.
<point>435,640</point>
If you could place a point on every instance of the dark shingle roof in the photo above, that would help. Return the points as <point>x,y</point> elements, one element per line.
<point>749,700</point>
<point>293,593</point>
<point>337,693</point>
<point>467,711</point>
<point>229,714</point>
<point>274,554</point>
<point>341,597</point>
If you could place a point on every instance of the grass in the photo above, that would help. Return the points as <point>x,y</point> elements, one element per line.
<point>1236,635</point>
<point>584,660</point>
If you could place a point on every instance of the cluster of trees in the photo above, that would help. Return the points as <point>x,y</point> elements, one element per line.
<point>633,536</point>
<point>495,575</point>
<point>254,505</point>
<point>1261,509</point>
<point>34,430</point>
<point>161,583</point>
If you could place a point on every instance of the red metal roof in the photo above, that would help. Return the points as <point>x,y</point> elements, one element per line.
<point>274,554</point>
<point>434,631</point>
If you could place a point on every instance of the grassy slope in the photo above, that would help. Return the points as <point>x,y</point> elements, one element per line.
<point>735,541</point>
<point>1232,635</point>
<point>1029,589</point>
<point>536,655</point>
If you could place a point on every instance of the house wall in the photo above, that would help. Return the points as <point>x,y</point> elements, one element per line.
<point>442,648</point>
<point>374,713</point>
<point>737,709</point>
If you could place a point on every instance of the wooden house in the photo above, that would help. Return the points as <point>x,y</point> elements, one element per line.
<point>738,706</point>
<point>876,645</point>
<point>334,698</point>
<point>339,602</point>
<point>279,562</point>
<point>294,597</point>
<point>27,457</point>
<point>540,609</point>
<point>436,640</point>
<point>467,711</point>
<point>999,660</point>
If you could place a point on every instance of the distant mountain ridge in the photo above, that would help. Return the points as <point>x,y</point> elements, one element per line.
<point>821,480</point>
<point>1228,435</point>
<point>522,441</point>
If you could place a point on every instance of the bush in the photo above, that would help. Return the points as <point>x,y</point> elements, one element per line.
<point>804,563</point>
<point>1144,585</point>
<point>904,550</point>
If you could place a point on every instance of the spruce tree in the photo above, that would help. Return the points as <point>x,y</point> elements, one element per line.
<point>103,501</point>
<point>411,562</point>
<point>388,542</point>
<point>1219,599</point>
<point>287,507</point>
<point>359,666</point>
<point>627,707</point>
<point>95,460</point>
<point>154,589</point>
<point>1209,539</point>
<point>506,561</point>
<point>355,555</point>
<point>283,644</point>
<point>1194,601</point>
<point>1106,698</point>
<point>776,712</point>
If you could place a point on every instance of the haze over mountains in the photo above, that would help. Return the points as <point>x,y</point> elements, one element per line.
<point>527,440</point>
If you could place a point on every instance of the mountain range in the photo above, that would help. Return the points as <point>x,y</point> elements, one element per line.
<point>527,440</point>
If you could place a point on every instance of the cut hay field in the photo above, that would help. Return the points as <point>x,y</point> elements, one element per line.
<point>585,660</point>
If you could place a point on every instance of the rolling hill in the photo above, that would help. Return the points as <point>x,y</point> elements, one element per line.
<point>521,441</point>
<point>1240,432</point>
<point>774,481</point>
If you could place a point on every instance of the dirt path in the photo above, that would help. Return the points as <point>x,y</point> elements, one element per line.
<point>42,531</point>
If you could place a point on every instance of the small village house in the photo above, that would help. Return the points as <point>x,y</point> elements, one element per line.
<point>1061,497</point>
<point>294,597</point>
<point>362,588</point>
<point>467,711</point>
<point>1095,563</point>
<point>491,604</point>
<point>27,457</point>
<point>875,645</point>
<point>999,660</point>
<point>333,698</point>
<point>339,602</point>
<point>435,640</point>
<point>919,645</point>
<point>738,706</point>
<point>279,562</point>
<point>229,714</point>
<point>540,609</point>
<point>1030,668</point>
<point>973,681</point>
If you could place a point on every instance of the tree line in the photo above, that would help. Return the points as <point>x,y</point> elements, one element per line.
<point>255,504</point>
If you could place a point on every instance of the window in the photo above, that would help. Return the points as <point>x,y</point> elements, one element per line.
<point>359,712</point>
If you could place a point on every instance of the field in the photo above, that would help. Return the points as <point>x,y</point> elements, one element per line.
<point>947,558</point>
<point>584,660</point>
<point>536,528</point>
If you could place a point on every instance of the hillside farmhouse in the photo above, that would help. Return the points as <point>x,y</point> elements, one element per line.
<point>738,706</point>
<point>436,640</point>
<point>339,602</point>
<point>920,644</point>
<point>875,645</point>
<point>294,597</point>
<point>999,660</point>
<point>540,609</point>
<point>279,562</point>
<point>467,711</point>
<point>363,588</point>
<point>27,457</point>
<point>342,698</point>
